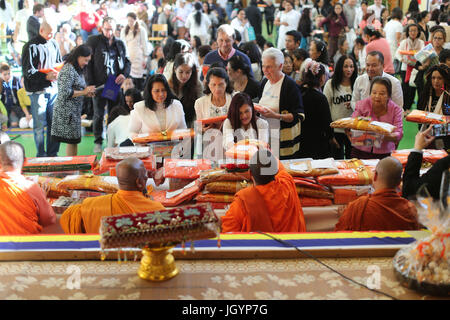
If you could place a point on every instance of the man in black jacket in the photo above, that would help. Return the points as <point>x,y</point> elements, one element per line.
<point>254,16</point>
<point>33,23</point>
<point>412,180</point>
<point>109,57</point>
<point>39,54</point>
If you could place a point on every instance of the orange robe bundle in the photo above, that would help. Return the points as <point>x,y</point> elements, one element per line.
<point>177,197</point>
<point>231,187</point>
<point>380,211</point>
<point>185,169</point>
<point>89,182</point>
<point>54,191</point>
<point>107,164</point>
<point>212,120</point>
<point>345,177</point>
<point>212,175</point>
<point>312,193</point>
<point>363,124</point>
<point>274,207</point>
<point>420,116</point>
<point>214,197</point>
<point>245,149</point>
<point>164,136</point>
<point>86,217</point>
<point>429,155</point>
<point>349,164</point>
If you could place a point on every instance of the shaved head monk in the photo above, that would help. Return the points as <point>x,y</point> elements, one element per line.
<point>131,198</point>
<point>270,205</point>
<point>383,210</point>
<point>24,208</point>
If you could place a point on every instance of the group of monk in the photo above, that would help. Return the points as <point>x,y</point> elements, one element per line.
<point>270,205</point>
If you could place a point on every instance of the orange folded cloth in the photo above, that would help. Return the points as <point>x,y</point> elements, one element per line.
<point>106,164</point>
<point>56,68</point>
<point>164,136</point>
<point>212,175</point>
<point>429,155</point>
<point>245,149</point>
<point>215,197</point>
<point>176,197</point>
<point>312,193</point>
<point>315,202</point>
<point>420,116</point>
<point>185,169</point>
<point>89,182</point>
<point>345,177</point>
<point>231,187</point>
<point>363,124</point>
<point>212,120</point>
<point>349,164</point>
<point>407,52</point>
<point>308,183</point>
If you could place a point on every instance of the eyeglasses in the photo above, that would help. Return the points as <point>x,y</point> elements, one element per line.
<point>438,38</point>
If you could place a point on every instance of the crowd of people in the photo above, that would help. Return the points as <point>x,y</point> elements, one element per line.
<point>316,62</point>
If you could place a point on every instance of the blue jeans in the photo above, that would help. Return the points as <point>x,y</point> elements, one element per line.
<point>42,112</point>
<point>84,34</point>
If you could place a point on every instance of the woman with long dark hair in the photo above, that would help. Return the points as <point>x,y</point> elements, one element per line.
<point>160,111</point>
<point>338,91</point>
<point>336,23</point>
<point>422,21</point>
<point>317,52</point>
<point>199,23</point>
<point>242,122</point>
<point>186,85</point>
<point>305,27</point>
<point>136,39</point>
<point>254,54</point>
<point>66,118</point>
<point>241,77</point>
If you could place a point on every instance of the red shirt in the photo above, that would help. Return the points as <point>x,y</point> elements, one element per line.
<point>88,21</point>
<point>382,45</point>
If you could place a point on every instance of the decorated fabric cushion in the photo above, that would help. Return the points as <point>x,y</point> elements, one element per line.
<point>245,149</point>
<point>164,136</point>
<point>231,187</point>
<point>159,228</point>
<point>311,168</point>
<point>215,197</point>
<point>185,169</point>
<point>177,197</point>
<point>120,153</point>
<point>420,116</point>
<point>51,164</point>
<point>359,176</point>
<point>89,182</point>
<point>363,124</point>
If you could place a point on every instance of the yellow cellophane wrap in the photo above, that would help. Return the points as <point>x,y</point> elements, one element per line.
<point>230,187</point>
<point>89,182</point>
<point>360,123</point>
<point>212,175</point>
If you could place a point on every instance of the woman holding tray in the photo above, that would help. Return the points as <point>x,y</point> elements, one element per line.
<point>160,111</point>
<point>72,89</point>
<point>380,107</point>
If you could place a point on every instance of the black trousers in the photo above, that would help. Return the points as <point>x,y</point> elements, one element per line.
<point>409,93</point>
<point>346,146</point>
<point>269,24</point>
<point>99,104</point>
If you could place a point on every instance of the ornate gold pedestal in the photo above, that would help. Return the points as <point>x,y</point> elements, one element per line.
<point>157,264</point>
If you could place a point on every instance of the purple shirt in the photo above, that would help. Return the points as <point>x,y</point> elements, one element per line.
<point>394,116</point>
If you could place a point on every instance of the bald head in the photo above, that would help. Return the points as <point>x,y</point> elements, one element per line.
<point>12,156</point>
<point>46,30</point>
<point>389,172</point>
<point>131,174</point>
<point>263,166</point>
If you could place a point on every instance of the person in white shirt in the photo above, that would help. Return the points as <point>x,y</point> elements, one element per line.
<point>20,36</point>
<point>241,24</point>
<point>182,11</point>
<point>243,123</point>
<point>374,68</point>
<point>160,111</point>
<point>376,8</point>
<point>287,20</point>
<point>199,23</point>
<point>393,30</point>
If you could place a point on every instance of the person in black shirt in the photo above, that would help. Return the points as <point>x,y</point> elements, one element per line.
<point>269,13</point>
<point>239,74</point>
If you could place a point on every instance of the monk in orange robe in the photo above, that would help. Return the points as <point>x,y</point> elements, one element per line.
<point>383,210</point>
<point>86,216</point>
<point>23,205</point>
<point>271,205</point>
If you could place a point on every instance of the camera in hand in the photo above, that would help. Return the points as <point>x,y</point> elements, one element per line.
<point>440,130</point>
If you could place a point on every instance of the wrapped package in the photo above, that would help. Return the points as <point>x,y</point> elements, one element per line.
<point>359,176</point>
<point>231,187</point>
<point>311,168</point>
<point>349,164</point>
<point>176,197</point>
<point>347,194</point>
<point>185,169</point>
<point>315,202</point>
<point>420,116</point>
<point>313,193</point>
<point>89,182</point>
<point>107,164</point>
<point>51,164</point>
<point>309,183</point>
<point>245,149</point>
<point>429,155</point>
<point>363,124</point>
<point>212,120</point>
<point>215,197</point>
<point>120,153</point>
<point>145,138</point>
<point>219,174</point>
<point>159,228</point>
<point>50,185</point>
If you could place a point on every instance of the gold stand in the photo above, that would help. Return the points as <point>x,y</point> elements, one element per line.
<point>157,264</point>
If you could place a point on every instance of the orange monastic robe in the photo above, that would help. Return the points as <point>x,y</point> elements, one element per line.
<point>23,206</point>
<point>86,216</point>
<point>381,211</point>
<point>279,199</point>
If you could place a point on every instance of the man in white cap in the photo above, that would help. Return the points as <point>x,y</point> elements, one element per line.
<point>167,17</point>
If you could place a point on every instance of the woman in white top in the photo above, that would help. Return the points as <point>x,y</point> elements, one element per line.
<point>159,112</point>
<point>199,23</point>
<point>241,24</point>
<point>242,122</point>
<point>135,37</point>
<point>287,20</point>
<point>393,30</point>
<point>338,91</point>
